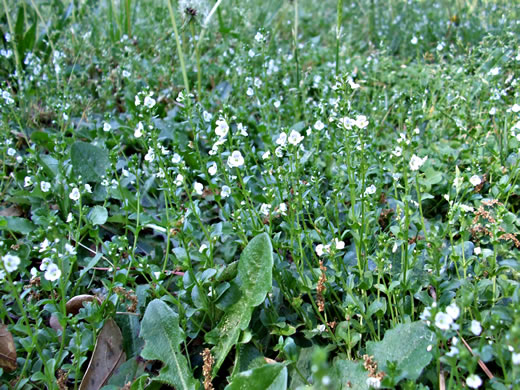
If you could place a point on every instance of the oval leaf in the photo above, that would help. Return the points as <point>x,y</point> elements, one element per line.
<point>89,161</point>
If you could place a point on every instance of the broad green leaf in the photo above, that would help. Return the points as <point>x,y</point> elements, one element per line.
<point>89,161</point>
<point>255,281</point>
<point>267,377</point>
<point>350,374</point>
<point>98,215</point>
<point>162,335</point>
<point>16,224</point>
<point>411,356</point>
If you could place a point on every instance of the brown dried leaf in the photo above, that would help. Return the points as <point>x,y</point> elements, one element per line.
<point>74,304</point>
<point>12,211</point>
<point>107,356</point>
<point>7,349</point>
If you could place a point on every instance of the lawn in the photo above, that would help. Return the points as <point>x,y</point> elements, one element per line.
<point>202,194</point>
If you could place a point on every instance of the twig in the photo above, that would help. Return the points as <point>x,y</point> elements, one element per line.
<point>480,362</point>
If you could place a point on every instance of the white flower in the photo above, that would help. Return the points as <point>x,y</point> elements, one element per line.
<point>139,130</point>
<point>149,102</point>
<point>398,151</point>
<point>515,108</point>
<point>11,262</point>
<point>70,249</point>
<point>346,122</point>
<point>361,121</point>
<point>250,92</point>
<point>251,53</point>
<point>206,116</point>
<point>425,315</point>
<point>373,382</point>
<point>493,111</point>
<point>453,310</point>
<point>278,151</point>
<point>277,104</point>
<point>235,160</point>
<point>150,156</point>
<point>202,248</point>
<point>473,381</point>
<point>282,208</point>
<point>126,74</point>
<point>106,126</point>
<point>52,272</point>
<point>416,162</point>
<point>27,181</point>
<point>295,138</point>
<point>454,351</point>
<point>319,125</point>
<point>178,180</point>
<point>414,41</point>
<point>176,158</point>
<point>339,244</point>
<point>69,218</point>
<point>476,328</point>
<point>198,187</point>
<point>266,155</point>
<point>320,250</point>
<point>265,209</point>
<point>225,192</point>
<point>475,180</point>
<point>494,71</point>
<point>370,190</point>
<point>137,101</point>
<point>11,152</point>
<point>477,250</point>
<point>242,129</point>
<point>259,37</point>
<point>282,139</point>
<point>212,170</point>
<point>74,194</point>
<point>222,127</point>
<point>443,321</point>
<point>515,357</point>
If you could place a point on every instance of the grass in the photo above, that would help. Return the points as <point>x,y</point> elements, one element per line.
<point>261,193</point>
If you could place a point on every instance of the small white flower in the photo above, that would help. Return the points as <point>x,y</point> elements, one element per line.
<point>319,125</point>
<point>494,71</point>
<point>282,208</point>
<point>475,180</point>
<point>250,91</point>
<point>34,272</point>
<point>69,218</point>
<point>176,158</point>
<point>321,328</point>
<point>65,117</point>
<point>515,357</point>
<point>206,116</point>
<point>150,156</point>
<point>70,249</point>
<point>242,129</point>
<point>11,152</point>
<point>414,41</point>
<point>88,188</point>
<point>27,181</point>
<point>265,209</point>
<point>361,121</point>
<point>373,382</point>
<point>251,53</point>
<point>259,37</point>
<point>225,192</point>
<point>235,159</point>
<point>473,381</point>
<point>149,101</point>
<point>266,155</point>
<point>178,180</point>
<point>443,321</point>
<point>45,263</point>
<point>370,190</point>
<point>398,151</point>
<point>107,127</point>
<point>74,194</point>
<point>198,187</point>
<point>212,170</point>
<point>126,74</point>
<point>493,111</point>
<point>476,328</point>
<point>202,248</point>
<point>425,315</point>
<point>52,272</point>
<point>416,162</point>
<point>477,250</point>
<point>454,351</point>
<point>139,130</point>
<point>222,127</point>
<point>515,108</point>
<point>339,244</point>
<point>137,101</point>
<point>295,138</point>
<point>453,310</point>
<point>277,104</point>
<point>11,262</point>
<point>320,250</point>
<point>282,139</point>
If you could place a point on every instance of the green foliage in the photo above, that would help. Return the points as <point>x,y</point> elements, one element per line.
<point>89,161</point>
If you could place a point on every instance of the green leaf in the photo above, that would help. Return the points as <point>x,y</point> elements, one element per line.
<point>16,224</point>
<point>350,372</point>
<point>267,377</point>
<point>50,164</point>
<point>411,356</point>
<point>89,161</point>
<point>162,335</point>
<point>98,215</point>
<point>255,281</point>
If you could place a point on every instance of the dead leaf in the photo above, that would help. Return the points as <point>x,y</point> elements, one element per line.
<point>107,357</point>
<point>12,211</point>
<point>7,349</point>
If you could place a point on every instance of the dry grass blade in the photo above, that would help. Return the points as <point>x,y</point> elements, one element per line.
<point>480,362</point>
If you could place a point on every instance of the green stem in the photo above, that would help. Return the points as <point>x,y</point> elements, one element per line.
<point>179,51</point>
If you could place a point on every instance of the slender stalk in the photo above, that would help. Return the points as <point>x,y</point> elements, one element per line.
<point>338,32</point>
<point>11,31</point>
<point>179,50</point>
<point>295,38</point>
